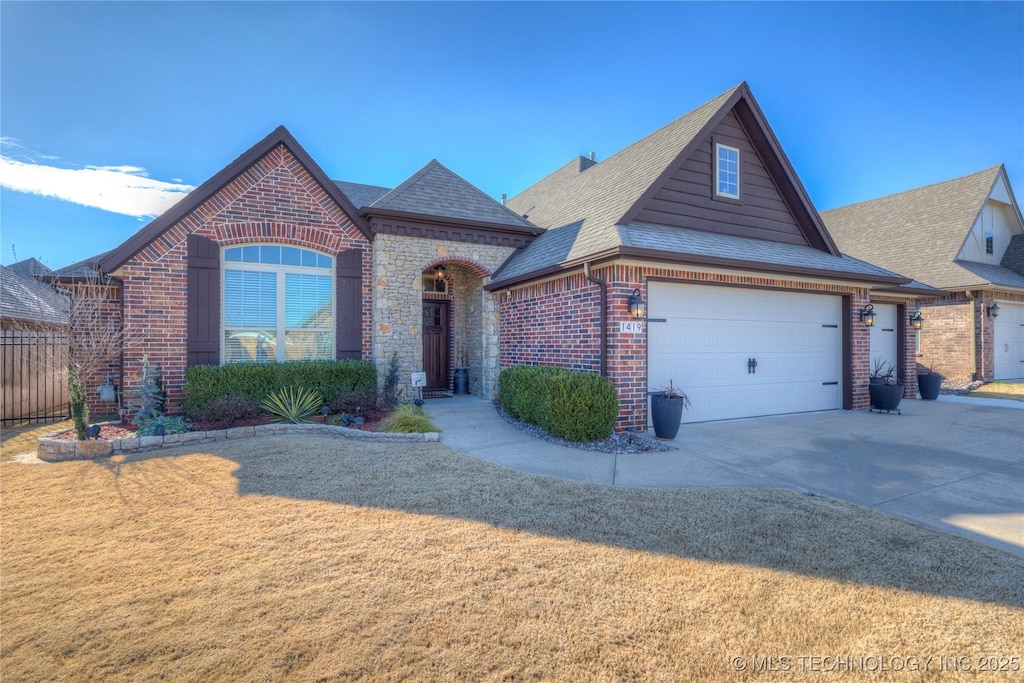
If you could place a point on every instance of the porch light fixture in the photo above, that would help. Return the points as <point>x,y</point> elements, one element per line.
<point>440,272</point>
<point>637,307</point>
<point>916,320</point>
<point>993,311</point>
<point>867,315</point>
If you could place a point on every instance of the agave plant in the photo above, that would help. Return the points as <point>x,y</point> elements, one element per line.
<point>293,405</point>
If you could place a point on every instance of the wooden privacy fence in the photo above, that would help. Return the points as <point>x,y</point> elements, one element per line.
<point>33,366</point>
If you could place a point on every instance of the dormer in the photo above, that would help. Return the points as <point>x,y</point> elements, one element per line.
<point>995,225</point>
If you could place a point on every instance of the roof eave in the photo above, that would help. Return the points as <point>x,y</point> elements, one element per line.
<point>196,197</point>
<point>370,212</point>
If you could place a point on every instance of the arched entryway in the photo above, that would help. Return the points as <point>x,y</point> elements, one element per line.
<point>453,330</point>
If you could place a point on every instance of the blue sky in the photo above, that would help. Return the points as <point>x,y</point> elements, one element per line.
<point>110,111</point>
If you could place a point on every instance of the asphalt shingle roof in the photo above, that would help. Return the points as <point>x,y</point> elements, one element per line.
<point>436,191</point>
<point>599,196</point>
<point>26,299</point>
<point>361,195</point>
<point>84,270</point>
<point>30,267</point>
<point>920,232</point>
<point>1013,257</point>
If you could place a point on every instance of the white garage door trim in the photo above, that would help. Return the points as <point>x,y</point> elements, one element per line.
<point>704,337</point>
<point>1008,334</point>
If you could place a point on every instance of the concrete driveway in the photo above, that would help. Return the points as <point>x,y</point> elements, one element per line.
<point>952,465</point>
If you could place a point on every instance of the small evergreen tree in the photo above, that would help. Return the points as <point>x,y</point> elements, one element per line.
<point>79,406</point>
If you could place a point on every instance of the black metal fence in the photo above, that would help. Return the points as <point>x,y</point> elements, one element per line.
<point>33,367</point>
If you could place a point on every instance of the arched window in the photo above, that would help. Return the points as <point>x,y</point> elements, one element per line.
<point>278,304</point>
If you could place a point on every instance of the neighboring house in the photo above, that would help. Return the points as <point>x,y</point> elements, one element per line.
<point>964,236</point>
<point>751,307</point>
<point>33,345</point>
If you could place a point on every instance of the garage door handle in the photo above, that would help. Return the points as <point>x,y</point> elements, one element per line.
<point>751,366</point>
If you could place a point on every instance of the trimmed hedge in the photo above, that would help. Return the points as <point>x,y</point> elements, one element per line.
<point>256,381</point>
<point>571,404</point>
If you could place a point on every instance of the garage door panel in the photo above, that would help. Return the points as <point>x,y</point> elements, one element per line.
<point>1008,354</point>
<point>795,338</point>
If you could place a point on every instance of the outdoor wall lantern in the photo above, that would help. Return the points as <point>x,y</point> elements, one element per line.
<point>993,311</point>
<point>916,320</point>
<point>867,315</point>
<point>440,272</point>
<point>637,307</point>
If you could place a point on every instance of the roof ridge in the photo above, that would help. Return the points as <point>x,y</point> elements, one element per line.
<point>919,188</point>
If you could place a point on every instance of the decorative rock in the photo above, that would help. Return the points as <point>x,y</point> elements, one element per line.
<point>151,441</point>
<point>172,438</point>
<point>130,444</point>
<point>91,449</point>
<point>238,432</point>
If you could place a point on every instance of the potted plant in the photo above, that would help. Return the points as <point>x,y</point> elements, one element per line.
<point>461,369</point>
<point>667,408</point>
<point>885,392</point>
<point>928,382</point>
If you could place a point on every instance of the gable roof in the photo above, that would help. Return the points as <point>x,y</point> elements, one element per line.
<point>26,299</point>
<point>115,258</point>
<point>920,232</point>
<point>436,191</point>
<point>593,202</point>
<point>361,195</point>
<point>30,267</point>
<point>86,271</point>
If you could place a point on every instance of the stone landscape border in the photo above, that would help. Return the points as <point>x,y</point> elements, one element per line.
<point>55,450</point>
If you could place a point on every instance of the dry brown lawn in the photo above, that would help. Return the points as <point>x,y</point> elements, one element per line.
<point>1013,391</point>
<point>315,558</point>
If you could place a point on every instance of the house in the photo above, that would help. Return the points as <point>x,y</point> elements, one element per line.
<point>33,345</point>
<point>750,305</point>
<point>964,236</point>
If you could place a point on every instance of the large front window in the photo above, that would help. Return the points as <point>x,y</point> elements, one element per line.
<point>278,304</point>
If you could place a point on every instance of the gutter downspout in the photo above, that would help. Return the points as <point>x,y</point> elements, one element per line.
<point>974,326</point>
<point>604,316</point>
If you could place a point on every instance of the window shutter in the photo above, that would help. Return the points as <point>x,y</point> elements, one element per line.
<point>203,340</point>
<point>349,337</point>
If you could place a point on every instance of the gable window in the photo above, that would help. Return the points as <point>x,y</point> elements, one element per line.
<point>278,304</point>
<point>727,171</point>
<point>989,243</point>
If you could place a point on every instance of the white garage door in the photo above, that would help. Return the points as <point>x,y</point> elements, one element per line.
<point>883,336</point>
<point>1009,341</point>
<point>707,339</point>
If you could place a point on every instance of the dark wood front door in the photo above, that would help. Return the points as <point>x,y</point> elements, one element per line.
<point>435,344</point>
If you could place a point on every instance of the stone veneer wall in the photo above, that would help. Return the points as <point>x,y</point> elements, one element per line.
<point>399,262</point>
<point>556,323</point>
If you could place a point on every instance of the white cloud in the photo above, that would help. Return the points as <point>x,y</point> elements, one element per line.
<point>118,189</point>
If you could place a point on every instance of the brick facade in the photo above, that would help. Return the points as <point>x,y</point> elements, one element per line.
<point>274,201</point>
<point>958,337</point>
<point>556,322</point>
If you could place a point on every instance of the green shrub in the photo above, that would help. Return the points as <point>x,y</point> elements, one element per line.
<point>359,402</point>
<point>571,404</point>
<point>408,419</point>
<point>172,425</point>
<point>293,405</point>
<point>525,391</point>
<point>389,392</point>
<point>257,381</point>
<point>228,411</point>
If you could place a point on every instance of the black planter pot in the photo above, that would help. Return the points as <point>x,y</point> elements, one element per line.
<point>886,397</point>
<point>666,414</point>
<point>461,381</point>
<point>929,386</point>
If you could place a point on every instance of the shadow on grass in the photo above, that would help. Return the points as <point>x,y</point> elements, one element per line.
<point>769,528</point>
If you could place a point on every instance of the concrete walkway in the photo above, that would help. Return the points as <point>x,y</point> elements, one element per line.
<point>954,465</point>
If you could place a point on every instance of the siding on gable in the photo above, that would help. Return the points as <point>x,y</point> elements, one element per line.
<point>687,199</point>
